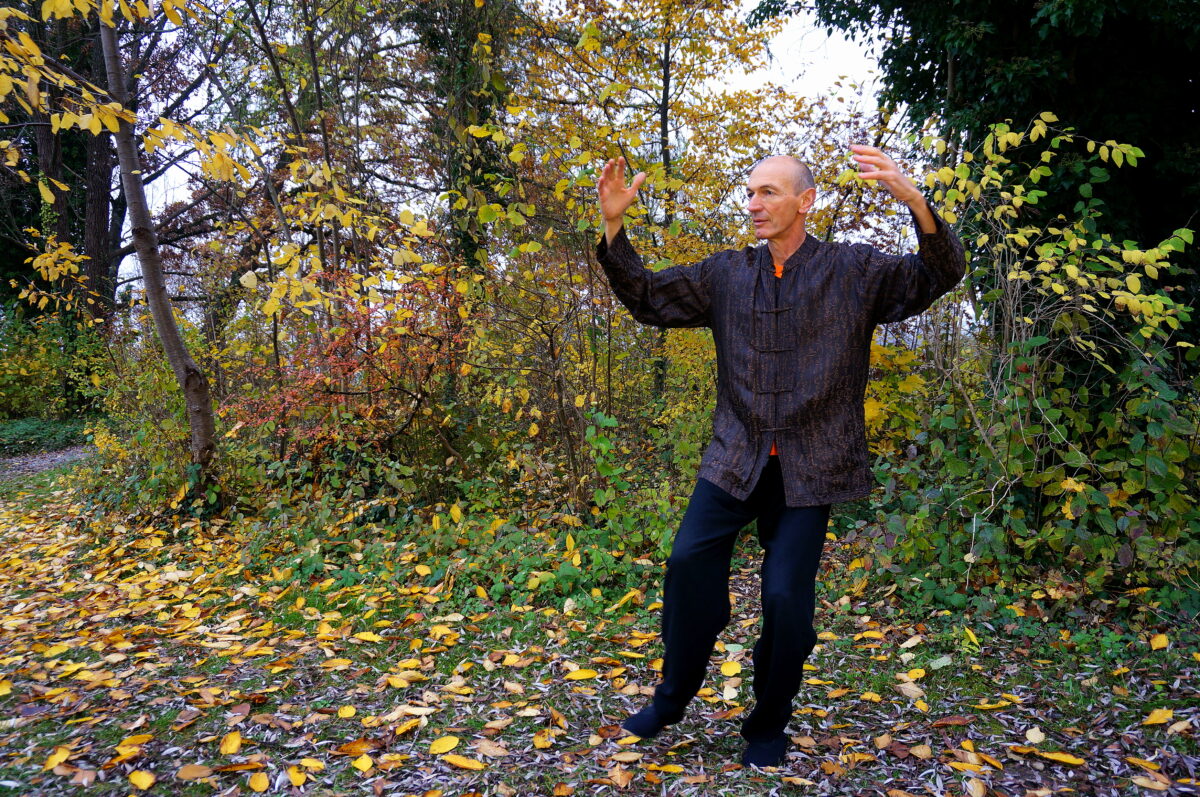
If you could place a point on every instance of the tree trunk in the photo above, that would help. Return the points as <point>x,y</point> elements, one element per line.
<point>98,201</point>
<point>145,240</point>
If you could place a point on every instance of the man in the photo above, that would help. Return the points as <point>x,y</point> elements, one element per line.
<point>792,323</point>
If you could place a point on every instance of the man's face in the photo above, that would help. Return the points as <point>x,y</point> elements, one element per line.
<point>776,209</point>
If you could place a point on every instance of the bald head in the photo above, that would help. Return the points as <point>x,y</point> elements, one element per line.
<point>798,174</point>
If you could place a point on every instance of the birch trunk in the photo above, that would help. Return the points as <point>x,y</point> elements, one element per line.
<point>145,240</point>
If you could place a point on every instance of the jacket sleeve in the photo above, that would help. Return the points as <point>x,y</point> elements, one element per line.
<point>897,287</point>
<point>674,297</point>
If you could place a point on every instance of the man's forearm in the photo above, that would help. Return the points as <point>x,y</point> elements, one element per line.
<point>612,227</point>
<point>920,211</point>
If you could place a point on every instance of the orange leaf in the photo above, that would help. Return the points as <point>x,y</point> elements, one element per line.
<point>193,772</point>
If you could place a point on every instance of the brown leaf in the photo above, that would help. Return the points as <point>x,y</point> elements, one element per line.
<point>952,720</point>
<point>490,749</point>
<point>620,777</point>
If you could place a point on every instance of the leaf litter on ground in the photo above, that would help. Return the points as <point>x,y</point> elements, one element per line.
<point>154,658</point>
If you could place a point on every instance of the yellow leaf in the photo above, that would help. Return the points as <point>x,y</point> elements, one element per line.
<point>59,755</point>
<point>1035,735</point>
<point>141,779</point>
<point>871,697</point>
<point>580,675</point>
<point>443,745</point>
<point>673,768</point>
<point>363,763</point>
<point>1135,286</point>
<point>296,776</point>
<point>231,743</point>
<point>423,570</point>
<point>916,673</point>
<point>1065,758</point>
<point>1158,716</point>
<point>456,513</point>
<point>249,280</point>
<point>47,194</point>
<point>368,636</point>
<point>5,687</point>
<point>313,764</point>
<point>346,712</point>
<point>259,782</point>
<point>463,762</point>
<point>730,668</point>
<point>533,429</point>
<point>1159,641</point>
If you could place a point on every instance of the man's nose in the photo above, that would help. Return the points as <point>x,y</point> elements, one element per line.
<point>754,204</point>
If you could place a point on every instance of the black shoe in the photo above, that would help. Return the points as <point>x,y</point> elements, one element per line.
<point>647,723</point>
<point>768,753</point>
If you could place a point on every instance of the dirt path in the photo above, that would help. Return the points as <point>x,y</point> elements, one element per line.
<point>26,465</point>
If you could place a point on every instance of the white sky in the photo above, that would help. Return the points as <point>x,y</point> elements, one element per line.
<point>810,61</point>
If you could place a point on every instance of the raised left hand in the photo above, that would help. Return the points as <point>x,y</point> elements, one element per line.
<point>873,164</point>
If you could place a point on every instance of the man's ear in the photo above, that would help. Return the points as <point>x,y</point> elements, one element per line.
<point>807,198</point>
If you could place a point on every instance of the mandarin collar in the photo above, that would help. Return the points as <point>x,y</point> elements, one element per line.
<point>798,258</point>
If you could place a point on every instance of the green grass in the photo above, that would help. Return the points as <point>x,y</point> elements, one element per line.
<point>30,490</point>
<point>25,435</point>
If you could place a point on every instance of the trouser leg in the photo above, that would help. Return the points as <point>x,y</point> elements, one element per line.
<point>792,540</point>
<point>696,593</point>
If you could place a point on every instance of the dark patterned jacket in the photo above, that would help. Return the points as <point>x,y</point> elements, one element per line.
<point>792,351</point>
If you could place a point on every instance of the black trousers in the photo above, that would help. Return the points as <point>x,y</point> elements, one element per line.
<point>696,597</point>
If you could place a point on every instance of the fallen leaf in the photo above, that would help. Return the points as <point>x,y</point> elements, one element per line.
<point>363,763</point>
<point>580,675</point>
<point>443,745</point>
<point>921,751</point>
<point>193,772</point>
<point>730,668</point>
<point>1159,641</point>
<point>259,782</point>
<point>1064,758</point>
<point>956,719</point>
<point>141,779</point>
<point>462,762</point>
<point>232,743</point>
<point>1158,716</point>
<point>1034,735</point>
<point>59,755</point>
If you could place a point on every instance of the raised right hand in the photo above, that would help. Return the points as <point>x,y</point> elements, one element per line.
<point>615,196</point>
